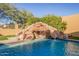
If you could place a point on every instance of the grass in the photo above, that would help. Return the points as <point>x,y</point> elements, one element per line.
<point>10,36</point>
<point>6,37</point>
<point>75,38</point>
<point>3,38</point>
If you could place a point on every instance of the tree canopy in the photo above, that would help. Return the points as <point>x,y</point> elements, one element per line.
<point>24,18</point>
<point>11,12</point>
<point>55,21</point>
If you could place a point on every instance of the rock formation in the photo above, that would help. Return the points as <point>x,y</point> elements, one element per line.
<point>39,30</point>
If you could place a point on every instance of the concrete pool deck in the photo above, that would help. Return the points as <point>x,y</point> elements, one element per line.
<point>10,40</point>
<point>18,43</point>
<point>14,40</point>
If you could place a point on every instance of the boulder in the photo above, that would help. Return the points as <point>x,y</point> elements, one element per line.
<point>40,30</point>
<point>23,35</point>
<point>28,35</point>
<point>20,35</point>
<point>62,35</point>
<point>53,34</point>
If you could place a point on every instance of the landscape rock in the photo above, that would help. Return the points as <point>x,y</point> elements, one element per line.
<point>40,30</point>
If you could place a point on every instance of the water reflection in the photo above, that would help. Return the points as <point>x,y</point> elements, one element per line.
<point>72,48</point>
<point>43,48</point>
<point>58,47</point>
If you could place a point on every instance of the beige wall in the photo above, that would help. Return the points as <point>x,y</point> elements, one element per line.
<point>72,23</point>
<point>9,31</point>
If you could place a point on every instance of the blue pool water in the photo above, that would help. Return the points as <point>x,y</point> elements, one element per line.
<point>43,48</point>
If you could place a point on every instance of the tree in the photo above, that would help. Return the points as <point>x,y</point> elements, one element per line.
<point>33,20</point>
<point>11,12</point>
<point>24,16</point>
<point>55,21</point>
<point>6,9</point>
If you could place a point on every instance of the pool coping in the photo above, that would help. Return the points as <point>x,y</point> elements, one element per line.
<point>9,45</point>
<point>33,41</point>
<point>72,40</point>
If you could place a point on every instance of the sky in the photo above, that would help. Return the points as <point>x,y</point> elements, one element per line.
<point>42,9</point>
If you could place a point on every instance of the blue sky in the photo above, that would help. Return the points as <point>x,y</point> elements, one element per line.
<point>42,9</point>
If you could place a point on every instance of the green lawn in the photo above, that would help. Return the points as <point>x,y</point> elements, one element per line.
<point>6,37</point>
<point>10,36</point>
<point>75,38</point>
<point>3,38</point>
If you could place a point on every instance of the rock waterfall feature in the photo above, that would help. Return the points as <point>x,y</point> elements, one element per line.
<point>39,30</point>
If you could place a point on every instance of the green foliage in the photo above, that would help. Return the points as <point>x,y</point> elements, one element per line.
<point>3,38</point>
<point>54,21</point>
<point>75,38</point>
<point>18,16</point>
<point>32,20</point>
<point>23,17</point>
<point>10,36</point>
<point>6,37</point>
<point>7,9</point>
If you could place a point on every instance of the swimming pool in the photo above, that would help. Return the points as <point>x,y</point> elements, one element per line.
<point>43,48</point>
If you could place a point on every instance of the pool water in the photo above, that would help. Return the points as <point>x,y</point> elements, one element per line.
<point>43,48</point>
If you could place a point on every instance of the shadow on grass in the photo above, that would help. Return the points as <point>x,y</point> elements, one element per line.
<point>74,35</point>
